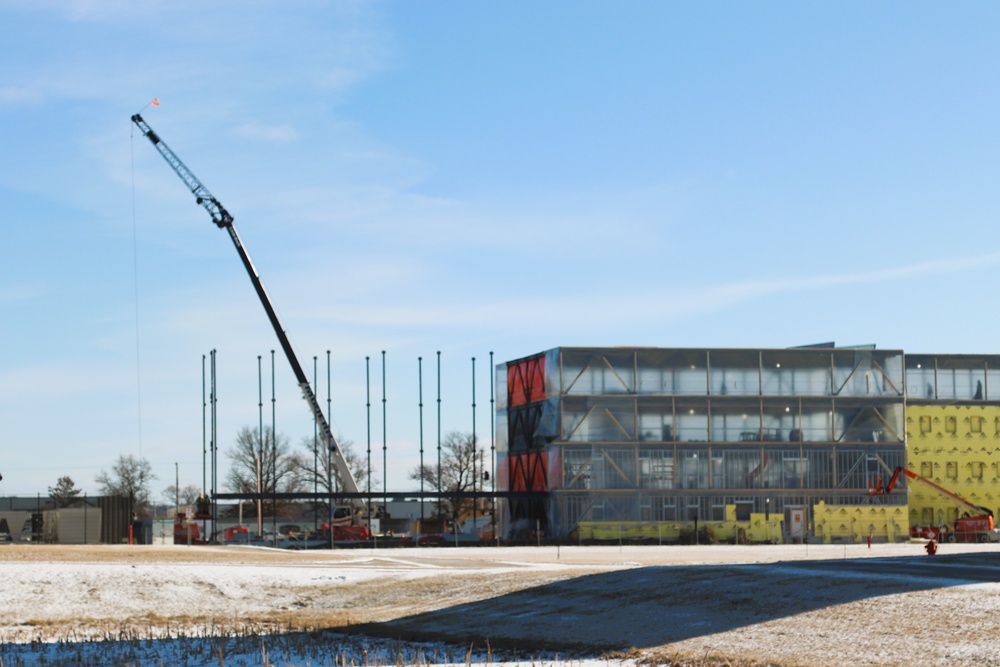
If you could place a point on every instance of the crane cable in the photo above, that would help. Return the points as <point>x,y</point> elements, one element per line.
<point>135,286</point>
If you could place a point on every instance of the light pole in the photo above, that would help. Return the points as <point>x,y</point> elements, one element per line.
<point>329,453</point>
<point>329,488</point>
<point>260,451</point>
<point>767,517</point>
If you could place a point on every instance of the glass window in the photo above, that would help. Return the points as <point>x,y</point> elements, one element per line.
<point>656,380</point>
<point>734,372</point>
<point>993,381</point>
<point>812,382</point>
<point>694,469</point>
<point>736,421</point>
<point>599,419</point>
<point>961,379</point>
<point>576,467</point>
<point>692,509</point>
<point>613,468</point>
<point>863,423</point>
<point>796,372</point>
<point>920,378</point>
<point>718,509</point>
<point>671,371</point>
<point>660,508</point>
<point>849,372</point>
<point>656,468</point>
<point>817,421</point>
<point>778,475</point>
<point>656,420</point>
<point>852,469</point>
<point>692,380</point>
<point>735,381</point>
<point>890,364</point>
<point>781,422</point>
<point>692,421</point>
<point>500,382</point>
<point>742,468</point>
<point>819,468</point>
<point>500,437</point>
<point>597,372</point>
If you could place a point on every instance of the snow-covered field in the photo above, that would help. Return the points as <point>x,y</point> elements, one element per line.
<point>789,605</point>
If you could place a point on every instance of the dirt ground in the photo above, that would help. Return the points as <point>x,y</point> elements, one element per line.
<point>794,605</point>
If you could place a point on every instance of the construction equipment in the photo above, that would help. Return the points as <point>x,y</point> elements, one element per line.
<point>471,527</point>
<point>223,220</point>
<point>975,524</point>
<point>188,531</point>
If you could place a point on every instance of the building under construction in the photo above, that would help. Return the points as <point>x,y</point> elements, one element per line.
<point>758,445</point>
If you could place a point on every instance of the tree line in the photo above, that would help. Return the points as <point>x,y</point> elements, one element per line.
<point>287,471</point>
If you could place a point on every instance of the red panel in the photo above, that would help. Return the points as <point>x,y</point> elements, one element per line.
<point>528,471</point>
<point>526,381</point>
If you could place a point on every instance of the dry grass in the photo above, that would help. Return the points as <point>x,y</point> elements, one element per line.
<point>72,553</point>
<point>526,603</point>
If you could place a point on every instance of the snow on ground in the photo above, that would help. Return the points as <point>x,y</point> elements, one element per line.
<point>809,605</point>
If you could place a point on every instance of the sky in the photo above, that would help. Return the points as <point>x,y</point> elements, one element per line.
<point>484,180</point>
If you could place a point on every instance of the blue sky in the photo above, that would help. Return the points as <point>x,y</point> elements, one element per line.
<point>467,178</point>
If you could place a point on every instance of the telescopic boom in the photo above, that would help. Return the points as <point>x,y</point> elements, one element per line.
<point>222,219</point>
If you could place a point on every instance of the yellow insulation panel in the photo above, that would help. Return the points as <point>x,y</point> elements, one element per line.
<point>958,448</point>
<point>759,529</point>
<point>858,523</point>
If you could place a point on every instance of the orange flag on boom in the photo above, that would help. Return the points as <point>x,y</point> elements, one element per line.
<point>155,102</point>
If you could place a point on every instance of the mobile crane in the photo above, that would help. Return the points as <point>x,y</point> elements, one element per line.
<point>223,220</point>
<point>975,525</point>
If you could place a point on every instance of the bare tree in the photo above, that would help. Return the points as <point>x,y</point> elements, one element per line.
<point>461,463</point>
<point>316,469</point>
<point>272,456</point>
<point>187,495</point>
<point>129,477</point>
<point>64,493</point>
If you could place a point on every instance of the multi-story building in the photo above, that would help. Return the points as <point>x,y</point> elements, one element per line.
<point>952,434</point>
<point>758,444</point>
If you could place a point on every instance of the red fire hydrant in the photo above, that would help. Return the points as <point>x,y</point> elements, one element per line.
<point>930,547</point>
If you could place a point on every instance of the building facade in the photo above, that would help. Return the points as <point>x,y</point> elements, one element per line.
<point>762,444</point>
<point>952,434</point>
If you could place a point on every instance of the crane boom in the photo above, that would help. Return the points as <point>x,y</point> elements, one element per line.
<point>223,220</point>
<point>900,470</point>
<point>945,492</point>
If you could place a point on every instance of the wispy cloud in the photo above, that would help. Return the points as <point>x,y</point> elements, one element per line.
<point>755,289</point>
<point>282,134</point>
<point>673,304</point>
<point>342,78</point>
<point>19,95</point>
<point>22,292</point>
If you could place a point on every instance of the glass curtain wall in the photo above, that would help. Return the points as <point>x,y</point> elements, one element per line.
<point>952,377</point>
<point>645,434</point>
